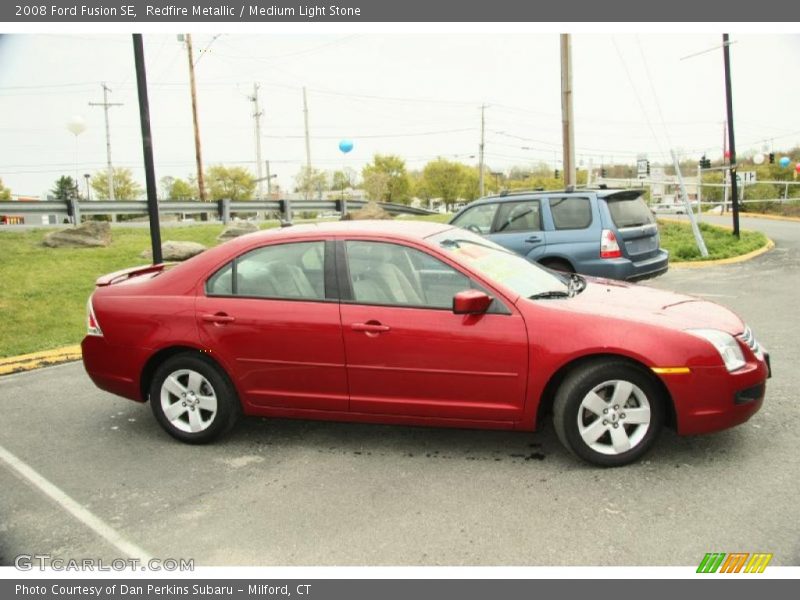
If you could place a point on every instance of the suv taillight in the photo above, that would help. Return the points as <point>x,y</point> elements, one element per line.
<point>92,326</point>
<point>609,248</point>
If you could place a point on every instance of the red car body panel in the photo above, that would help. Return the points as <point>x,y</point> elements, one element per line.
<point>305,359</point>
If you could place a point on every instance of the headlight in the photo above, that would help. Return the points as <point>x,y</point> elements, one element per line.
<point>726,345</point>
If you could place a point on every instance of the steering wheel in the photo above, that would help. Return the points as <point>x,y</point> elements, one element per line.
<point>474,229</point>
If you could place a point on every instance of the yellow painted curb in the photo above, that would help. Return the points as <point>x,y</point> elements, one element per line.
<point>699,264</point>
<point>724,261</point>
<point>35,360</point>
<point>770,217</point>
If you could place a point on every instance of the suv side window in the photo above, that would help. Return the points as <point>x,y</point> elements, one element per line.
<point>571,212</point>
<point>518,216</point>
<point>477,219</point>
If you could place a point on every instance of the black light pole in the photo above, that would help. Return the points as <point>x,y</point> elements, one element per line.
<point>729,100</point>
<point>147,147</point>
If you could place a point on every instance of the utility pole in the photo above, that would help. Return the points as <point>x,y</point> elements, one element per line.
<point>257,113</point>
<point>198,153</point>
<point>147,148</point>
<point>480,150</point>
<point>729,101</point>
<point>106,104</point>
<point>269,183</point>
<point>568,134</point>
<point>308,139</point>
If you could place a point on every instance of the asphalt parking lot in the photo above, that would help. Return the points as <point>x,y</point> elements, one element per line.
<point>308,493</point>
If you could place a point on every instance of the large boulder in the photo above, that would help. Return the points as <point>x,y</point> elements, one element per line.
<point>176,251</point>
<point>371,210</point>
<point>91,234</point>
<point>235,229</point>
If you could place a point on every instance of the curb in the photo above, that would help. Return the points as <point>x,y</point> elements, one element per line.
<point>699,264</point>
<point>35,360</point>
<point>769,217</point>
<point>724,261</point>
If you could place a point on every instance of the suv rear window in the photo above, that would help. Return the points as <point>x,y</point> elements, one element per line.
<point>629,212</point>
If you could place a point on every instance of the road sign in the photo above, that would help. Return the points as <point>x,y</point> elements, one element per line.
<point>641,167</point>
<point>747,176</point>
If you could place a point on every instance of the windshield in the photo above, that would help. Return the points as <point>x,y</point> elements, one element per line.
<point>629,212</point>
<point>500,265</point>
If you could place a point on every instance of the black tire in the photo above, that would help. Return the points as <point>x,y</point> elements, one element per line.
<point>196,423</point>
<point>556,264</point>
<point>605,377</point>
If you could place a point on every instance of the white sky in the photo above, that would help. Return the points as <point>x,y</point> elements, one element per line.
<point>415,95</point>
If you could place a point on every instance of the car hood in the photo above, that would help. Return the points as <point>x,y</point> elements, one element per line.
<point>620,300</point>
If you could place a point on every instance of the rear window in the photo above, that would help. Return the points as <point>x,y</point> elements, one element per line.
<point>630,212</point>
<point>571,213</point>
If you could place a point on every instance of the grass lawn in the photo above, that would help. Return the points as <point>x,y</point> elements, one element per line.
<point>44,290</point>
<point>679,240</point>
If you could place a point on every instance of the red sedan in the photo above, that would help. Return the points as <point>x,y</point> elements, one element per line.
<point>419,324</point>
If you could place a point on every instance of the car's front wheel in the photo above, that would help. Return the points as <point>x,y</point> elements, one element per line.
<point>608,412</point>
<point>192,399</point>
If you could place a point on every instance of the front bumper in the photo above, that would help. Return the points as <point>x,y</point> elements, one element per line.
<point>709,399</point>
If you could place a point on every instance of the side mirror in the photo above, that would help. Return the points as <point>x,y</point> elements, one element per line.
<point>471,302</point>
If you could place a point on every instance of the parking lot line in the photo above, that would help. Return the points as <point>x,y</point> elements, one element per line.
<point>100,527</point>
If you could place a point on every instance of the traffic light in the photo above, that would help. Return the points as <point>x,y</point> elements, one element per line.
<point>705,163</point>
<point>602,171</point>
<point>557,174</point>
<point>772,158</point>
<point>648,167</point>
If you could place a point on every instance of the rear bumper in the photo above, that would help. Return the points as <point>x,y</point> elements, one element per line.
<point>114,369</point>
<point>626,269</point>
<point>711,399</point>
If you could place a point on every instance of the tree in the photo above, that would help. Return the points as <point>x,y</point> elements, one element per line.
<point>398,186</point>
<point>341,180</point>
<point>376,185</point>
<point>125,187</point>
<point>233,183</point>
<point>311,181</point>
<point>5,193</point>
<point>174,188</point>
<point>444,180</point>
<point>65,188</point>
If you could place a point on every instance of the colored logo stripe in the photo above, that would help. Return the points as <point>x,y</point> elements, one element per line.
<point>758,562</point>
<point>734,563</point>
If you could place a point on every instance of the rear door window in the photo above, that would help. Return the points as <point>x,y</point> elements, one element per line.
<point>518,216</point>
<point>571,212</point>
<point>630,212</point>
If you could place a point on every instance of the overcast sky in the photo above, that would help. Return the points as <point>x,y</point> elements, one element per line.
<point>417,96</point>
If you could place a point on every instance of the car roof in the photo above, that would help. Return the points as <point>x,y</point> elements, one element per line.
<point>607,193</point>
<point>408,229</point>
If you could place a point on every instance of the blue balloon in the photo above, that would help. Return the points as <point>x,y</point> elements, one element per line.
<point>784,162</point>
<point>346,145</point>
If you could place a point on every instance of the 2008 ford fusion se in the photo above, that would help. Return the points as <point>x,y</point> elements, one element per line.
<point>420,324</point>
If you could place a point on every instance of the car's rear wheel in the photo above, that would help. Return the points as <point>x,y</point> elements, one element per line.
<point>192,399</point>
<point>557,264</point>
<point>608,412</point>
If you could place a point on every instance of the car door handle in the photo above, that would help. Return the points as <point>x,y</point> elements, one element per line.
<point>533,238</point>
<point>220,318</point>
<point>370,327</point>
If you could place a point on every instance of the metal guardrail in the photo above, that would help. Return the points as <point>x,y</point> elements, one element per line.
<point>221,208</point>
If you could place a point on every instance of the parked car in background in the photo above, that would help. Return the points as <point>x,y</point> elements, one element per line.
<point>419,324</point>
<point>604,233</point>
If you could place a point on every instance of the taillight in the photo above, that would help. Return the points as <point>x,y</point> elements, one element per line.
<point>609,248</point>
<point>92,326</point>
